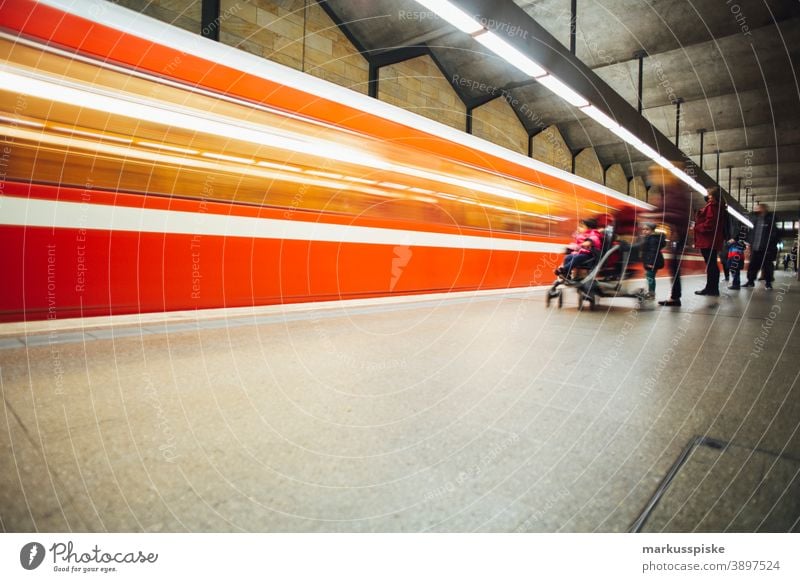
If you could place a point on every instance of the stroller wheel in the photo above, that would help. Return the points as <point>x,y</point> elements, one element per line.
<point>560,299</point>
<point>553,294</point>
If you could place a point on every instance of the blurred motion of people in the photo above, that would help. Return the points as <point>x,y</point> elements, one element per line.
<point>709,236</point>
<point>673,202</point>
<point>652,259</point>
<point>584,250</point>
<point>763,241</point>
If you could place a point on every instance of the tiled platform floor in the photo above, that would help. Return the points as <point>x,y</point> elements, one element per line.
<point>459,414</point>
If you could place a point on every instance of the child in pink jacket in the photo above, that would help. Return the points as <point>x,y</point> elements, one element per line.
<point>587,244</point>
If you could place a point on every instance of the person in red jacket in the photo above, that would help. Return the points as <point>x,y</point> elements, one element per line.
<point>709,236</point>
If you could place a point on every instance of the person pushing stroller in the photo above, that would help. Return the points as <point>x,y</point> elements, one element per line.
<point>585,249</point>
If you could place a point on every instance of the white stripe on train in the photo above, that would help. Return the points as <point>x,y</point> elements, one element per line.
<point>58,214</point>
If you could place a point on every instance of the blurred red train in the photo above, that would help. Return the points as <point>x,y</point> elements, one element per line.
<point>148,169</point>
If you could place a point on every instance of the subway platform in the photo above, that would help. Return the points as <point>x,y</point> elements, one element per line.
<point>470,412</point>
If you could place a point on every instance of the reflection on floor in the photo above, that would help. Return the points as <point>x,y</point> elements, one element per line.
<point>492,414</point>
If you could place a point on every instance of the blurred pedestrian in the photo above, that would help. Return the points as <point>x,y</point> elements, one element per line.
<point>709,235</point>
<point>763,241</point>
<point>736,249</point>
<point>673,203</point>
<point>652,259</point>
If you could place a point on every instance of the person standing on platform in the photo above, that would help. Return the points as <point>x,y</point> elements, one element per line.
<point>723,258</point>
<point>763,241</point>
<point>673,202</point>
<point>652,259</point>
<point>736,262</point>
<point>708,237</point>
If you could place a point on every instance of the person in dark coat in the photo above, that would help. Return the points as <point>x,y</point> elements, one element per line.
<point>652,259</point>
<point>673,202</point>
<point>736,248</point>
<point>763,239</point>
<point>709,235</point>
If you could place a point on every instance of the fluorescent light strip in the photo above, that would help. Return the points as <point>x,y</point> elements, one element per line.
<point>168,148</point>
<point>92,134</point>
<point>16,121</point>
<point>733,212</point>
<point>393,185</point>
<point>631,139</point>
<point>227,158</point>
<point>421,191</point>
<point>599,116</point>
<point>562,90</point>
<point>278,166</point>
<point>360,180</point>
<point>511,55</point>
<point>452,14</point>
<point>324,174</point>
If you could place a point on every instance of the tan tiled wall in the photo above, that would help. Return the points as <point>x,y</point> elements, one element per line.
<point>275,29</point>
<point>496,122</point>
<point>616,178</point>
<point>588,166</point>
<point>419,86</point>
<point>550,148</point>
<point>637,188</point>
<point>182,13</point>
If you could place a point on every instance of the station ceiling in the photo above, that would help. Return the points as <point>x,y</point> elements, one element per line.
<point>733,64</point>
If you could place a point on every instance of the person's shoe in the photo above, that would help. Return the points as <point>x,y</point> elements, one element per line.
<point>701,292</point>
<point>749,284</point>
<point>670,303</point>
<point>768,285</point>
<point>734,287</point>
<point>727,279</point>
<point>712,293</point>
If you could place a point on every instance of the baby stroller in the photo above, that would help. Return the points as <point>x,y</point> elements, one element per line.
<point>605,275</point>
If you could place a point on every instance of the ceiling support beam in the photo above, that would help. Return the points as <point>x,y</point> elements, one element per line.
<point>209,19</point>
<point>573,25</point>
<point>640,55</point>
<point>730,178</point>
<point>372,83</point>
<point>702,133</point>
<point>678,102</point>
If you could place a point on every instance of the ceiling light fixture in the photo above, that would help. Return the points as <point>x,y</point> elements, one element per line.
<point>511,55</point>
<point>452,14</point>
